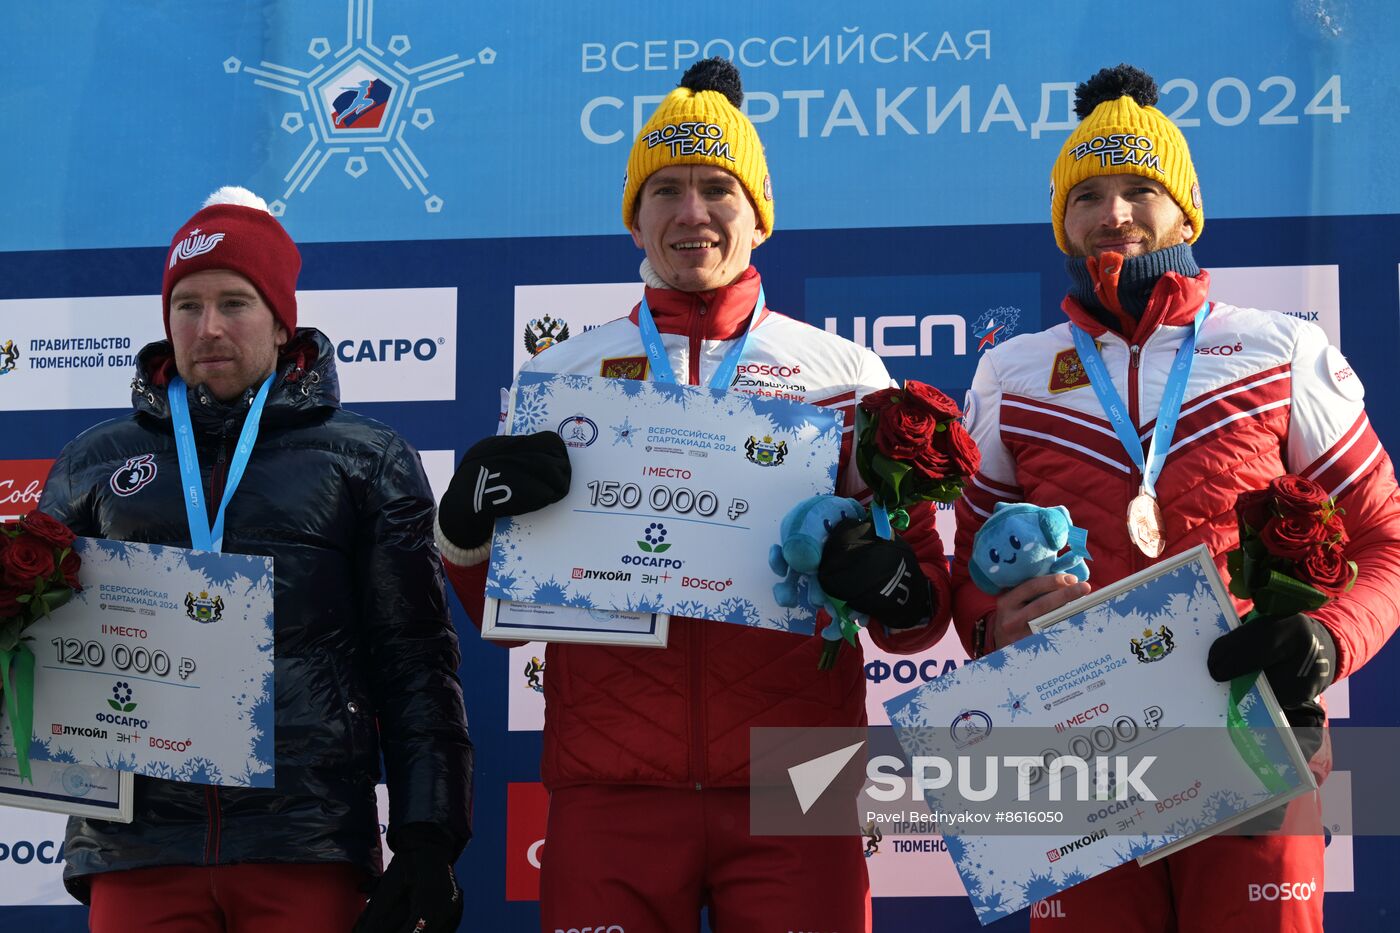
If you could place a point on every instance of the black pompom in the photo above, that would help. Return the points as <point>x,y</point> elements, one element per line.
<point>1113,83</point>
<point>715,74</point>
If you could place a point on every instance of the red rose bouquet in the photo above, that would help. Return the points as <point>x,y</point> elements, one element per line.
<point>1292,553</point>
<point>911,447</point>
<point>1291,559</point>
<point>38,573</point>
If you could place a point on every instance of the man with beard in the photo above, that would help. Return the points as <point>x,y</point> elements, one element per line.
<point>1265,396</point>
<point>237,442</point>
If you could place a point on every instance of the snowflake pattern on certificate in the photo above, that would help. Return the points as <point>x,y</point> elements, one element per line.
<point>161,665</point>
<point>675,500</point>
<point>1155,631</point>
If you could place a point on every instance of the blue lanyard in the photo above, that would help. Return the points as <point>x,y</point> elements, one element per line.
<point>202,536</point>
<point>1149,465</point>
<point>661,365</point>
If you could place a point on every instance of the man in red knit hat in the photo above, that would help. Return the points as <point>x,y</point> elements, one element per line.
<point>365,653</point>
<point>647,750</point>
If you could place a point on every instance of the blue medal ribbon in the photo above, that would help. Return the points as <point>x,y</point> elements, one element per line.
<point>661,364</point>
<point>1149,464</point>
<point>203,537</point>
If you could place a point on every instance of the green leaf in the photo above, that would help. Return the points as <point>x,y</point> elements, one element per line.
<point>128,707</point>
<point>115,705</point>
<point>661,547</point>
<point>1234,563</point>
<point>644,546</point>
<point>56,597</point>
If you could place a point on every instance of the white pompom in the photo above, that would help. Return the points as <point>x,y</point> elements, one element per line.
<point>232,194</point>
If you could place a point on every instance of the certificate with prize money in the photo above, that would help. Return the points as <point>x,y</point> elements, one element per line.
<point>1115,681</point>
<point>162,665</point>
<point>676,496</point>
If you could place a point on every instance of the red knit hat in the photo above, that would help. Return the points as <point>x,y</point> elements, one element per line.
<point>235,231</point>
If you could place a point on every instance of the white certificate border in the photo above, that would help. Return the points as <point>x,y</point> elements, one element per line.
<point>13,794</point>
<point>492,628</point>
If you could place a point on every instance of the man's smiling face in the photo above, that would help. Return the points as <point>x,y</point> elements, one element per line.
<point>697,226</point>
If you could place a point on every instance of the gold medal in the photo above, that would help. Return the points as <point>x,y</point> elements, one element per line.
<point>1145,525</point>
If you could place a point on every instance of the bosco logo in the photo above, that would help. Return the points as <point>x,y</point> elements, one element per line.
<point>388,349</point>
<point>780,370</point>
<point>1283,891</point>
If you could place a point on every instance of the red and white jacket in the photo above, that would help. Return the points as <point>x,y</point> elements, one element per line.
<point>680,716</point>
<point>1267,395</point>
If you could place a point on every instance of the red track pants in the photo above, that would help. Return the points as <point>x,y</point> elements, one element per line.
<point>627,859</point>
<point>248,898</point>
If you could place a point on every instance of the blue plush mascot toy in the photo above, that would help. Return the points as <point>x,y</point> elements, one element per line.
<point>1020,541</point>
<point>804,530</point>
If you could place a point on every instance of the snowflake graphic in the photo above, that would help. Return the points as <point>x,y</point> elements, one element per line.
<point>200,771</point>
<point>353,102</point>
<point>738,611</point>
<point>1015,704</point>
<point>530,409</point>
<point>624,433</point>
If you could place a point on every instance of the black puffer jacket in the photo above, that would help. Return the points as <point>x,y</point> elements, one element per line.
<point>362,632</point>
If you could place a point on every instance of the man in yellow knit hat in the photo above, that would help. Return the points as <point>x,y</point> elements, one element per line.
<point>646,752</point>
<point>1060,418</point>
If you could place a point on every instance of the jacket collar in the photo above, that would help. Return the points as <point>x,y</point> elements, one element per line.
<point>721,313</point>
<point>1174,303</point>
<point>306,382</point>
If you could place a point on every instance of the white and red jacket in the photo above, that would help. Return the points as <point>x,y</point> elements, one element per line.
<point>680,717</point>
<point>1267,395</point>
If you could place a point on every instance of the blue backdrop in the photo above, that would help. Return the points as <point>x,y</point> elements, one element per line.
<point>497,163</point>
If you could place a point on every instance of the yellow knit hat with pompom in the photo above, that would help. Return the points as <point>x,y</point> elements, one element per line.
<point>1122,133</point>
<point>700,123</point>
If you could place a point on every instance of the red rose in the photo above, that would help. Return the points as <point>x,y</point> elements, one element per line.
<point>1255,508</point>
<point>934,464</point>
<point>903,431</point>
<point>1292,536</point>
<point>69,567</point>
<point>876,402</point>
<point>1298,495</point>
<point>935,402</point>
<point>9,606</point>
<point>26,559</point>
<point>960,448</point>
<point>47,528</point>
<point>1326,568</point>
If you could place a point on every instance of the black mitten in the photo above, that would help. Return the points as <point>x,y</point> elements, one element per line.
<point>880,578</point>
<point>418,892</point>
<point>1296,654</point>
<point>503,475</point>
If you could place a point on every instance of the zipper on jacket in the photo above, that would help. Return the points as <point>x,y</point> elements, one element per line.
<point>697,712</point>
<point>211,838</point>
<point>1134,476</point>
<point>697,336</point>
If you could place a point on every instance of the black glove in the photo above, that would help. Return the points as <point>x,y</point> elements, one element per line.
<point>880,578</point>
<point>1296,654</point>
<point>503,475</point>
<point>418,892</point>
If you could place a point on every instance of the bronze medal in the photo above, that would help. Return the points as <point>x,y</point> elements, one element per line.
<point>1145,525</point>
